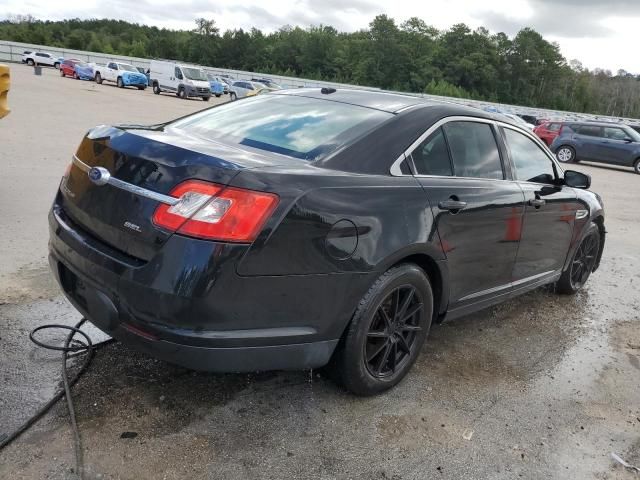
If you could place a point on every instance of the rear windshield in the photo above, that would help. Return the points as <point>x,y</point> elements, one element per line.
<point>299,127</point>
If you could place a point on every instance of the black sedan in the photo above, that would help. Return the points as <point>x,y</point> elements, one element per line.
<point>304,228</point>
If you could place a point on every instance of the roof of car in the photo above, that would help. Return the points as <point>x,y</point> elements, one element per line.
<point>598,124</point>
<point>388,102</point>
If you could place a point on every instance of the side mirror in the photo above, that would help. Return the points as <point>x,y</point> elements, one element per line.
<point>577,179</point>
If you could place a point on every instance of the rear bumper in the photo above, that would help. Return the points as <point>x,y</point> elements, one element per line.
<point>196,311</point>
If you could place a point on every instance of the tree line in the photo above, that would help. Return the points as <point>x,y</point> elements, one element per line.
<point>413,56</point>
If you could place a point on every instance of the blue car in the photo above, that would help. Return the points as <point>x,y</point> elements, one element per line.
<point>217,85</point>
<point>84,71</point>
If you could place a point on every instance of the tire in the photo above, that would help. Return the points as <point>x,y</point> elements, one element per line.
<point>566,154</point>
<point>233,96</point>
<point>61,73</point>
<point>182,93</point>
<point>30,62</point>
<point>156,89</point>
<point>141,88</point>
<point>56,65</point>
<point>119,82</point>
<point>98,78</point>
<point>75,75</point>
<point>636,166</point>
<point>218,95</point>
<point>206,99</point>
<point>372,355</point>
<point>582,262</point>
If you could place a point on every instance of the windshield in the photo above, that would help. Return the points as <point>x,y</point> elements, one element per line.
<point>127,67</point>
<point>194,73</point>
<point>82,65</point>
<point>298,127</point>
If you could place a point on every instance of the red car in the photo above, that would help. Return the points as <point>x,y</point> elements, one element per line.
<point>67,68</point>
<point>548,131</point>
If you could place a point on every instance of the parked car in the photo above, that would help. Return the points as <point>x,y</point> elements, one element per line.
<point>67,68</point>
<point>240,88</point>
<point>300,227</point>
<point>41,58</point>
<point>25,54</point>
<point>528,118</point>
<point>146,73</point>
<point>261,90</point>
<point>218,86</point>
<point>267,82</point>
<point>84,71</point>
<point>184,80</point>
<point>548,131</point>
<point>606,143</point>
<point>519,121</point>
<point>122,74</point>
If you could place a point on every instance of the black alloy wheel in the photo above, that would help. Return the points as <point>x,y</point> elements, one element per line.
<point>583,262</point>
<point>393,331</point>
<point>386,332</point>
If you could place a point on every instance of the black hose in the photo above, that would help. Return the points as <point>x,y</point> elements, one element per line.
<point>78,347</point>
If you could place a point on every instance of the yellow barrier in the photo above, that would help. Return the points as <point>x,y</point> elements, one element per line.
<point>4,90</point>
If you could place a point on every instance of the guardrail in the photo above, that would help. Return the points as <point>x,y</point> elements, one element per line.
<point>12,52</point>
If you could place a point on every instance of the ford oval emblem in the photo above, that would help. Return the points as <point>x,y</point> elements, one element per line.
<point>99,175</point>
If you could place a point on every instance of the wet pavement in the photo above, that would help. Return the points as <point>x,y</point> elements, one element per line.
<point>541,387</point>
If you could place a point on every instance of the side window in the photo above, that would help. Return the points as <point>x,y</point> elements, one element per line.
<point>112,66</point>
<point>474,150</point>
<point>590,130</point>
<point>177,73</point>
<point>532,165</point>
<point>431,157</point>
<point>40,55</point>
<point>615,133</point>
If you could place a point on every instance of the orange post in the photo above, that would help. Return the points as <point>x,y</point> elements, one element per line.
<point>4,90</point>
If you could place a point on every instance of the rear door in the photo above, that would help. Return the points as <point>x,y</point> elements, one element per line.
<point>112,72</point>
<point>587,142</point>
<point>550,210</point>
<point>477,210</point>
<point>617,146</point>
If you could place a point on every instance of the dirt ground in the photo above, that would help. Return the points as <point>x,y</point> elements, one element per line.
<point>541,387</point>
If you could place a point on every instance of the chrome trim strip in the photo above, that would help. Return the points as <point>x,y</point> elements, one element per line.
<point>395,167</point>
<point>129,187</point>
<point>488,291</point>
<point>80,164</point>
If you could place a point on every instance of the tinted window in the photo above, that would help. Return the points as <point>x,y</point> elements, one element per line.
<point>41,55</point>
<point>615,133</point>
<point>589,130</point>
<point>299,127</point>
<point>177,73</point>
<point>113,66</point>
<point>531,163</point>
<point>431,157</point>
<point>474,150</point>
<point>554,127</point>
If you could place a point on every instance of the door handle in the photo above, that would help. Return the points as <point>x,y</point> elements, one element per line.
<point>537,202</point>
<point>452,205</point>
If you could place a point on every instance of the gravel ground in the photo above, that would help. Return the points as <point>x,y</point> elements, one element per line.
<point>541,387</point>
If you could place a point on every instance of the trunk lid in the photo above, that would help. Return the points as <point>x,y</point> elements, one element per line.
<point>155,159</point>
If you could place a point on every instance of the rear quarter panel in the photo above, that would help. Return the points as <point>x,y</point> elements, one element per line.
<point>379,217</point>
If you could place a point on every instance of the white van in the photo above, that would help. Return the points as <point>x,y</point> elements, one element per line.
<point>183,80</point>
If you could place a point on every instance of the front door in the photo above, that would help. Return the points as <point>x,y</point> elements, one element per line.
<point>550,211</point>
<point>477,212</point>
<point>617,146</point>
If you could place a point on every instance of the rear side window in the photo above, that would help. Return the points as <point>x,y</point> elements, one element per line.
<point>590,130</point>
<point>299,127</point>
<point>474,150</point>
<point>431,157</point>
<point>532,164</point>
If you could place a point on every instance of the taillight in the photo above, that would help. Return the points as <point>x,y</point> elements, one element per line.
<point>210,211</point>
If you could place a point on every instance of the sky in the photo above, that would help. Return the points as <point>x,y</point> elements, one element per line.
<point>598,33</point>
